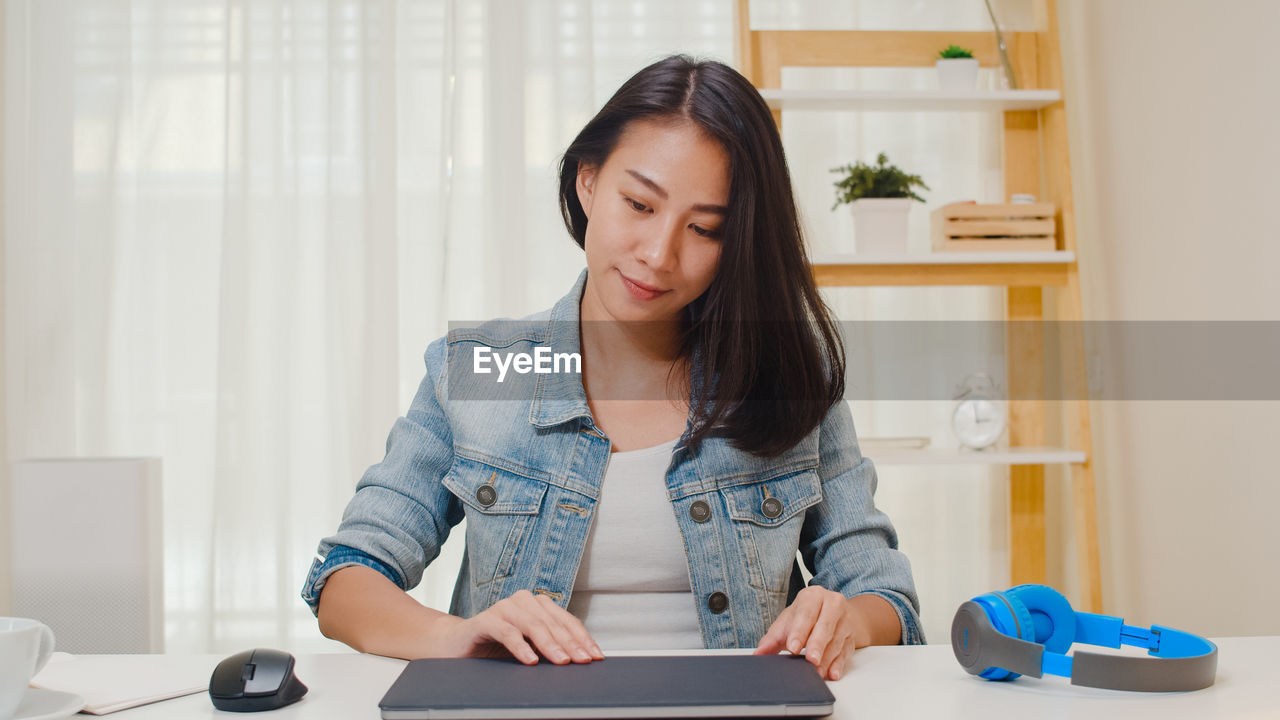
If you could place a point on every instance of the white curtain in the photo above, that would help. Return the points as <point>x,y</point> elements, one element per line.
<point>231,229</point>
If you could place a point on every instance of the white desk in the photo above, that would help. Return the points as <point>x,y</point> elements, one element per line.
<point>884,682</point>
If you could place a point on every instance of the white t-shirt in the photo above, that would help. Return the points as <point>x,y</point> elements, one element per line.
<point>632,590</point>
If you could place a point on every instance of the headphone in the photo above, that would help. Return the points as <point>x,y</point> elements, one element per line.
<point>1026,630</point>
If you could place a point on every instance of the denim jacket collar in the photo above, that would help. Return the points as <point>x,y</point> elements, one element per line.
<point>560,397</point>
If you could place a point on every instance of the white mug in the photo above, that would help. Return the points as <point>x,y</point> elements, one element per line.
<point>25,646</point>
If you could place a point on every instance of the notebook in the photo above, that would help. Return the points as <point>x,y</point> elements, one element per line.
<point>116,682</point>
<point>620,687</point>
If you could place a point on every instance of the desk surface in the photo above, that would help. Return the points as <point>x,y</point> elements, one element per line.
<point>923,681</point>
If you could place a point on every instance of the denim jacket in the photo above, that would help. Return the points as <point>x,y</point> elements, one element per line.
<point>525,473</point>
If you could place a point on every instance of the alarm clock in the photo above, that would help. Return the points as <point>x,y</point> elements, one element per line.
<point>979,417</point>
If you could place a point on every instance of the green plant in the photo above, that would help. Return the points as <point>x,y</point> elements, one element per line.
<point>875,181</point>
<point>952,52</point>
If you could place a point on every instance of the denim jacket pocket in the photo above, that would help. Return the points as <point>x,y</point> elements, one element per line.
<point>768,516</point>
<point>501,506</point>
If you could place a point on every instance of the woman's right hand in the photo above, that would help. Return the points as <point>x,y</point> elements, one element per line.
<point>520,625</point>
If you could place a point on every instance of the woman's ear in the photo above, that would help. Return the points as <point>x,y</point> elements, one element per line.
<point>585,186</point>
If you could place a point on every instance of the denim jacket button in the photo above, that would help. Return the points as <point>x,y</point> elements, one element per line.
<point>718,602</point>
<point>771,508</point>
<point>486,495</point>
<point>700,511</point>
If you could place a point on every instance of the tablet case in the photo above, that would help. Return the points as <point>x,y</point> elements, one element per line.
<point>633,687</point>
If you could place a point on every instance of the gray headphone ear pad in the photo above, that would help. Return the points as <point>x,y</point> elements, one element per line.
<point>979,646</point>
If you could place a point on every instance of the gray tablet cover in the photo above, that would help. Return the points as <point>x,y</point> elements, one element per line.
<point>637,687</point>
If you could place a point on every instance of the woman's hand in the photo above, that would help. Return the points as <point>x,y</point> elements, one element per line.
<point>518,626</point>
<point>823,623</point>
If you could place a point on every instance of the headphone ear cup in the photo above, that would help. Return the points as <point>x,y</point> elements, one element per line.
<point>1026,629</point>
<point>1049,617</point>
<point>1002,614</point>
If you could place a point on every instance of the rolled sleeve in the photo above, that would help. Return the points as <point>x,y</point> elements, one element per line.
<point>908,616</point>
<point>849,545</point>
<point>401,513</point>
<point>340,557</point>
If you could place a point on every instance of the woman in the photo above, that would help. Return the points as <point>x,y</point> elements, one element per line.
<point>657,498</point>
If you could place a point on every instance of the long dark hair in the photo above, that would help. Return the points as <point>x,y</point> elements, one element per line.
<point>767,345</point>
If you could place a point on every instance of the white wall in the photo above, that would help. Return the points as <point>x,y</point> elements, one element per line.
<point>1172,115</point>
<point>4,432</point>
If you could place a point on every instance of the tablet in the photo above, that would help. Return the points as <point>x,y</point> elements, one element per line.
<point>702,686</point>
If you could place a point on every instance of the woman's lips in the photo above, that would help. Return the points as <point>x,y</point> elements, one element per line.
<point>640,291</point>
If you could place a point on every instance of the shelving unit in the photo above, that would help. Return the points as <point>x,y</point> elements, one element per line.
<point>1007,456</point>
<point>910,101</point>
<point>931,269</point>
<point>1056,257</point>
<point>1034,144</point>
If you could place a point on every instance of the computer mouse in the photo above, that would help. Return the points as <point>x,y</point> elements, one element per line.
<point>253,680</point>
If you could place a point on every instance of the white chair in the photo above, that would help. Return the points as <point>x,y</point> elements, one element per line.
<point>88,552</point>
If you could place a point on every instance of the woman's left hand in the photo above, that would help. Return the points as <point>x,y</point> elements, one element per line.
<point>822,622</point>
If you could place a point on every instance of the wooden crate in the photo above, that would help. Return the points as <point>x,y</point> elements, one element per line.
<point>966,227</point>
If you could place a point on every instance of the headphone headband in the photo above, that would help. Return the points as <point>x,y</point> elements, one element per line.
<point>1179,660</point>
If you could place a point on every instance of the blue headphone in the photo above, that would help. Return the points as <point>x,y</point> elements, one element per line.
<point>1027,630</point>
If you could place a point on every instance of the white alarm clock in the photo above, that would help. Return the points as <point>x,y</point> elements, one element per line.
<point>979,418</point>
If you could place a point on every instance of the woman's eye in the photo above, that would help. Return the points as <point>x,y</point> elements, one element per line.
<point>636,206</point>
<point>703,232</point>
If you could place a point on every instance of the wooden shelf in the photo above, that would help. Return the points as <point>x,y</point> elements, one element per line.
<point>1035,160</point>
<point>910,101</point>
<point>1022,269</point>
<point>944,258</point>
<point>1007,456</point>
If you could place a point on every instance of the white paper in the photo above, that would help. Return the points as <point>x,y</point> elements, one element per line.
<point>116,682</point>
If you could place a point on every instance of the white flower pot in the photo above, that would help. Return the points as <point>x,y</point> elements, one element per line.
<point>958,73</point>
<point>880,225</point>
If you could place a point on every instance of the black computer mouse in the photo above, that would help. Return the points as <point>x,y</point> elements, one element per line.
<point>253,680</point>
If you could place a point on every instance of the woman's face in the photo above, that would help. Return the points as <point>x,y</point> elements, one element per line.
<point>655,210</point>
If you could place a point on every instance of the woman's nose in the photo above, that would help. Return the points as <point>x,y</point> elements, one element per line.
<point>661,249</point>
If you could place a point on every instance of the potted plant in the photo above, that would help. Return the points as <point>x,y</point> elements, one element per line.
<point>880,196</point>
<point>957,68</point>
